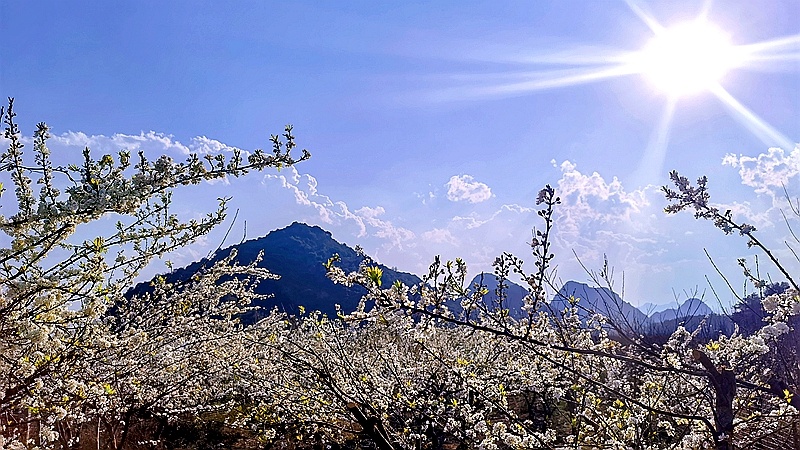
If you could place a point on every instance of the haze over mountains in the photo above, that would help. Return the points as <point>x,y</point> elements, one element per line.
<point>298,252</point>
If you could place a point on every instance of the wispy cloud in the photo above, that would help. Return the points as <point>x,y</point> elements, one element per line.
<point>465,188</point>
<point>440,236</point>
<point>151,141</point>
<point>369,220</point>
<point>474,220</point>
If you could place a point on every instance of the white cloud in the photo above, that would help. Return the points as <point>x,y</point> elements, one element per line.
<point>465,188</point>
<point>600,219</point>
<point>427,197</point>
<point>591,199</point>
<point>151,142</point>
<point>767,172</point>
<point>322,204</point>
<point>205,145</point>
<point>66,146</point>
<point>440,236</point>
<point>384,229</point>
<point>474,220</point>
<point>304,187</point>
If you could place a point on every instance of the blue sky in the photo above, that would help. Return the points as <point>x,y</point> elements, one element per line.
<point>433,124</point>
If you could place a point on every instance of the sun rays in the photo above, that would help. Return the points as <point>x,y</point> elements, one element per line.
<point>651,165</point>
<point>680,61</point>
<point>782,49</point>
<point>693,57</point>
<point>538,81</point>
<point>756,125</point>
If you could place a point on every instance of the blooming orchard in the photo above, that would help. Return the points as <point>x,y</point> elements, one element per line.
<point>73,348</point>
<point>617,390</point>
<point>430,366</point>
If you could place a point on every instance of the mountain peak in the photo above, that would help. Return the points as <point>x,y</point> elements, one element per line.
<point>695,306</point>
<point>601,300</point>
<point>690,308</point>
<point>301,227</point>
<point>297,254</point>
<point>514,294</point>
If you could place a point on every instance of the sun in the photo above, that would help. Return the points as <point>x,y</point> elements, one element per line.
<point>687,59</point>
<point>679,61</point>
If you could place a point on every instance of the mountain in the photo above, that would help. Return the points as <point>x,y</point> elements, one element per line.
<point>513,301</point>
<point>296,253</point>
<point>600,300</point>
<point>649,308</point>
<point>691,314</point>
<point>693,307</point>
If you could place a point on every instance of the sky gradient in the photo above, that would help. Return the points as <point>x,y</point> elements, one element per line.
<point>433,125</point>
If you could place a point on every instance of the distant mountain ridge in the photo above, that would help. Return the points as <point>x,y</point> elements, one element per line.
<point>598,300</point>
<point>649,307</point>
<point>690,308</point>
<point>691,314</point>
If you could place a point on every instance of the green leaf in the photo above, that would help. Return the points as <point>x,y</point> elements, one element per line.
<point>375,273</point>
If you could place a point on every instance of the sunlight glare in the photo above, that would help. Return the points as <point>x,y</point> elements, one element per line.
<point>785,43</point>
<point>687,58</point>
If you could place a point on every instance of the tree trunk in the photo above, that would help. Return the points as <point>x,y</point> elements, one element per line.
<point>371,427</point>
<point>723,380</point>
